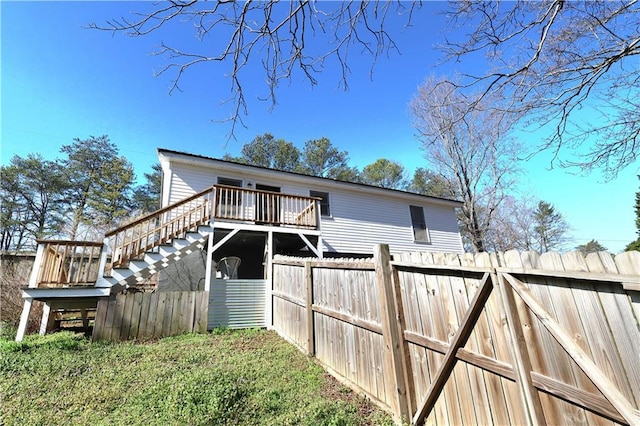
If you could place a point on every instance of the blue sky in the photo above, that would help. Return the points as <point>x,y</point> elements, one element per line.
<point>61,81</point>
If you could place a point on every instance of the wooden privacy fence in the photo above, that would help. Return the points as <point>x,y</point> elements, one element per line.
<point>151,315</point>
<point>507,338</point>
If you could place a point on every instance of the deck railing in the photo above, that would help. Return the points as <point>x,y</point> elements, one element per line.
<point>76,263</point>
<point>132,240</point>
<point>265,207</point>
<point>69,263</point>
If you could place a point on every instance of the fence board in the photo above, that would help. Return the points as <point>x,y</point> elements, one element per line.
<point>142,316</point>
<point>591,299</point>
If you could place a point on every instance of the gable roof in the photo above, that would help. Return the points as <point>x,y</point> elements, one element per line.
<point>201,160</point>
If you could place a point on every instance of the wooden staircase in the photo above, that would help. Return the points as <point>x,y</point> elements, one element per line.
<point>158,258</point>
<point>77,273</point>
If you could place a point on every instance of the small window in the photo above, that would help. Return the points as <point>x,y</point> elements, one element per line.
<point>420,232</point>
<point>228,200</point>
<point>229,182</point>
<point>325,210</point>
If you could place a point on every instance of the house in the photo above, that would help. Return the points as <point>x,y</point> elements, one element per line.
<point>353,217</point>
<point>226,221</point>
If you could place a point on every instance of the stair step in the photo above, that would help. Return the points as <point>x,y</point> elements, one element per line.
<point>166,253</point>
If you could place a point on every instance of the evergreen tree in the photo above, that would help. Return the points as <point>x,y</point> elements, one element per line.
<point>550,227</point>
<point>266,151</point>
<point>592,246</point>
<point>321,158</point>
<point>384,173</point>
<point>99,184</point>
<point>146,197</point>
<point>33,205</point>
<point>635,245</point>
<point>425,182</point>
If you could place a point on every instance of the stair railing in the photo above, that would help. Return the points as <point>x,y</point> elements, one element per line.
<point>144,234</point>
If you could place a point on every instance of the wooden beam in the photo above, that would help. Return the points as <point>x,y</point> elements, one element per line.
<point>329,264</point>
<point>311,341</point>
<point>478,360</point>
<point>581,358</point>
<point>394,368</point>
<point>223,241</point>
<point>629,282</point>
<point>290,299</point>
<point>209,263</point>
<point>269,278</point>
<point>367,325</point>
<point>308,243</point>
<point>450,358</point>
<point>404,350</point>
<point>424,267</point>
<point>586,400</point>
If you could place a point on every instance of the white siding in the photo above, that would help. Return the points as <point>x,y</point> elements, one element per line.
<point>359,222</point>
<point>188,180</point>
<point>359,219</point>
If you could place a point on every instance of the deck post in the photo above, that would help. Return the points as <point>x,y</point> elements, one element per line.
<point>24,319</point>
<point>268,303</point>
<point>319,228</point>
<point>45,322</point>
<point>101,281</point>
<point>37,265</point>
<point>209,265</point>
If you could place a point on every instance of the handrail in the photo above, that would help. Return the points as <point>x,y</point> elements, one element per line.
<point>159,212</point>
<point>220,202</point>
<point>71,242</point>
<point>152,230</point>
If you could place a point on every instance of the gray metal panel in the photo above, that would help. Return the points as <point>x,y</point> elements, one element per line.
<point>237,304</point>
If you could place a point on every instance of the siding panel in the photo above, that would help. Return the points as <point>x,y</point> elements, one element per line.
<point>237,304</point>
<point>359,219</point>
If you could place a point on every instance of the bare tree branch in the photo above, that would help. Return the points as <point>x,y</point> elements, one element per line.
<point>243,34</point>
<point>552,60</point>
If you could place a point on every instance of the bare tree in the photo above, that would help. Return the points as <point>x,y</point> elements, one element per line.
<point>512,225</point>
<point>466,144</point>
<point>273,35</point>
<point>557,63</point>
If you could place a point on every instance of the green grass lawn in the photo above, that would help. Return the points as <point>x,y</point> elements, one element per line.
<point>225,378</point>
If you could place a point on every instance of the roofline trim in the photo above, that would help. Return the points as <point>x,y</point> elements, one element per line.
<point>202,160</point>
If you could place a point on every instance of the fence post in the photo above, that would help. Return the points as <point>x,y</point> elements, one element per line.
<point>311,341</point>
<point>395,362</point>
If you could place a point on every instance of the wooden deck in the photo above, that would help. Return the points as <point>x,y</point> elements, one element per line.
<point>67,264</point>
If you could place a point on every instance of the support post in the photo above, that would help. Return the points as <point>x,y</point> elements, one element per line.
<point>45,323</point>
<point>24,319</point>
<point>311,341</point>
<point>209,264</point>
<point>101,282</point>
<point>268,303</point>
<point>395,368</point>
<point>37,265</point>
<point>319,223</point>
